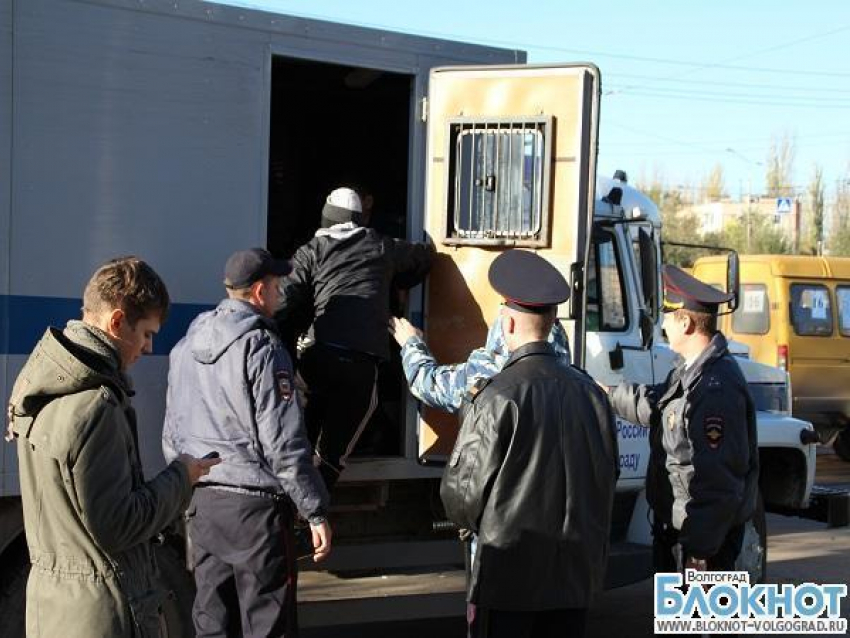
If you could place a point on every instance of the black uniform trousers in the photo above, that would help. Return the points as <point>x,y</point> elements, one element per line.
<point>341,397</point>
<point>550,623</point>
<point>669,556</point>
<point>245,573</point>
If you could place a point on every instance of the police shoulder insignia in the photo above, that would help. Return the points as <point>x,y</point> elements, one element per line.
<point>283,380</point>
<point>476,388</point>
<point>671,419</point>
<point>713,427</point>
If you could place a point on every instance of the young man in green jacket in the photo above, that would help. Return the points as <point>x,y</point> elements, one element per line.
<point>89,514</point>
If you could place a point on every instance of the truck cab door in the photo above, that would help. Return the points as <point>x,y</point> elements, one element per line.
<point>511,156</point>
<point>619,316</point>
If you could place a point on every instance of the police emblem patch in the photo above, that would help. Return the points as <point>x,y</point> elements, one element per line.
<point>714,431</point>
<point>284,384</point>
<point>671,419</point>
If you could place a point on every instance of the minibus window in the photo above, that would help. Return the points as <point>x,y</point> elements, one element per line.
<point>753,314</point>
<point>811,313</point>
<point>842,294</point>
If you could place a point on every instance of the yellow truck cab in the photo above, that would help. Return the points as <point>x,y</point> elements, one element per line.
<point>795,314</point>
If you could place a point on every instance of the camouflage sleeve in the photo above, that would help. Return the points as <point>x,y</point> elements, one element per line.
<point>560,342</point>
<point>437,386</point>
<point>443,387</point>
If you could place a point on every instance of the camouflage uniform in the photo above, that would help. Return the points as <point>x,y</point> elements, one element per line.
<point>443,387</point>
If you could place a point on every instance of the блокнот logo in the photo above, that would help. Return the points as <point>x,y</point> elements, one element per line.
<point>726,603</point>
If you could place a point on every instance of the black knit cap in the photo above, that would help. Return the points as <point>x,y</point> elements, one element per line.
<point>682,291</point>
<point>527,281</point>
<point>244,267</point>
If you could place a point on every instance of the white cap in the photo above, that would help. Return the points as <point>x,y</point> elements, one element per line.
<point>345,198</point>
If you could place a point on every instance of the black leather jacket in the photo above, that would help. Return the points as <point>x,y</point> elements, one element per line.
<point>533,473</point>
<point>340,285</point>
<point>703,475</point>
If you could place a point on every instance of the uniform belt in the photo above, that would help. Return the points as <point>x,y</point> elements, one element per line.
<point>278,497</point>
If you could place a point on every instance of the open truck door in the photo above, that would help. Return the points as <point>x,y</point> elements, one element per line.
<point>511,160</point>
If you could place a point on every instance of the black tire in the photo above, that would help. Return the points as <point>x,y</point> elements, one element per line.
<point>13,589</point>
<point>753,556</point>
<point>841,444</point>
<point>177,606</point>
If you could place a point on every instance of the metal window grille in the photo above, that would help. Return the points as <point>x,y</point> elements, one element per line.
<point>499,186</point>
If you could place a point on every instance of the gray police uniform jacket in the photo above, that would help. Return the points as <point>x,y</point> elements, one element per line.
<point>533,474</point>
<point>231,390</point>
<point>443,386</point>
<point>703,475</point>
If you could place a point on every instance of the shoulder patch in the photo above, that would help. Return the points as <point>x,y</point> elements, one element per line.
<point>476,388</point>
<point>283,381</point>
<point>713,427</point>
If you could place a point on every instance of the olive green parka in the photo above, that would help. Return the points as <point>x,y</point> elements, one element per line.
<point>89,515</point>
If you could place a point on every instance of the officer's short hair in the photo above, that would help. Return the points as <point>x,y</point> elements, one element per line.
<point>705,323</point>
<point>129,284</point>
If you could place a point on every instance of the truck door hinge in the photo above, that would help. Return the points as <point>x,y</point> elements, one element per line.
<point>423,109</point>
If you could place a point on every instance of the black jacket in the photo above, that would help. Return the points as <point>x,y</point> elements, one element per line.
<point>340,286</point>
<point>703,475</point>
<point>533,473</point>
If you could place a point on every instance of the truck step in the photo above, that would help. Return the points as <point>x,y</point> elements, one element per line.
<point>337,598</point>
<point>831,504</point>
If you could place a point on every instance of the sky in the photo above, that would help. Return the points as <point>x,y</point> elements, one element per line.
<point>686,85</point>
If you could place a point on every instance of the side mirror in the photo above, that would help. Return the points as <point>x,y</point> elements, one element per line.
<point>733,279</point>
<point>576,274</point>
<point>648,274</point>
<point>647,328</point>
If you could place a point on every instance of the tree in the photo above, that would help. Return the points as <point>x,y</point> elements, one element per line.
<point>678,226</point>
<point>815,212</point>
<point>755,234</point>
<point>839,237</point>
<point>713,184</point>
<point>780,166</point>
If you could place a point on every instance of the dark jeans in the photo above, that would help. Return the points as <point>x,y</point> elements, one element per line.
<point>341,397</point>
<point>551,623</point>
<point>244,565</point>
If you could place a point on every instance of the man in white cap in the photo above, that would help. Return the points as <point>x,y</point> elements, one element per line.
<point>338,291</point>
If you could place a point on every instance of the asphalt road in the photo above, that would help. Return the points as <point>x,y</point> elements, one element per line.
<point>798,551</point>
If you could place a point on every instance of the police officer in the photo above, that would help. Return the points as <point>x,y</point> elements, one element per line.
<point>443,386</point>
<point>702,482</point>
<point>231,392</point>
<point>533,471</point>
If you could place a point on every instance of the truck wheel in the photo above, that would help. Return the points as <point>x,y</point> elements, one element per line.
<point>176,617</point>
<point>841,445</point>
<point>13,589</point>
<point>753,556</point>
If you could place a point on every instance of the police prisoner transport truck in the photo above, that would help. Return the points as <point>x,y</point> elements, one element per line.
<point>182,131</point>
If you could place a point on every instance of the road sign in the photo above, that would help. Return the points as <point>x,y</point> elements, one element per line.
<point>783,204</point>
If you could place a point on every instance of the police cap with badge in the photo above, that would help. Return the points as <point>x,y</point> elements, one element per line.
<point>528,282</point>
<point>684,292</point>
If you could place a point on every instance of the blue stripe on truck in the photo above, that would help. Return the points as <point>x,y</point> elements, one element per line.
<point>23,320</point>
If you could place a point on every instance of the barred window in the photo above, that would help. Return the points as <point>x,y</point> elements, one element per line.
<point>498,190</point>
